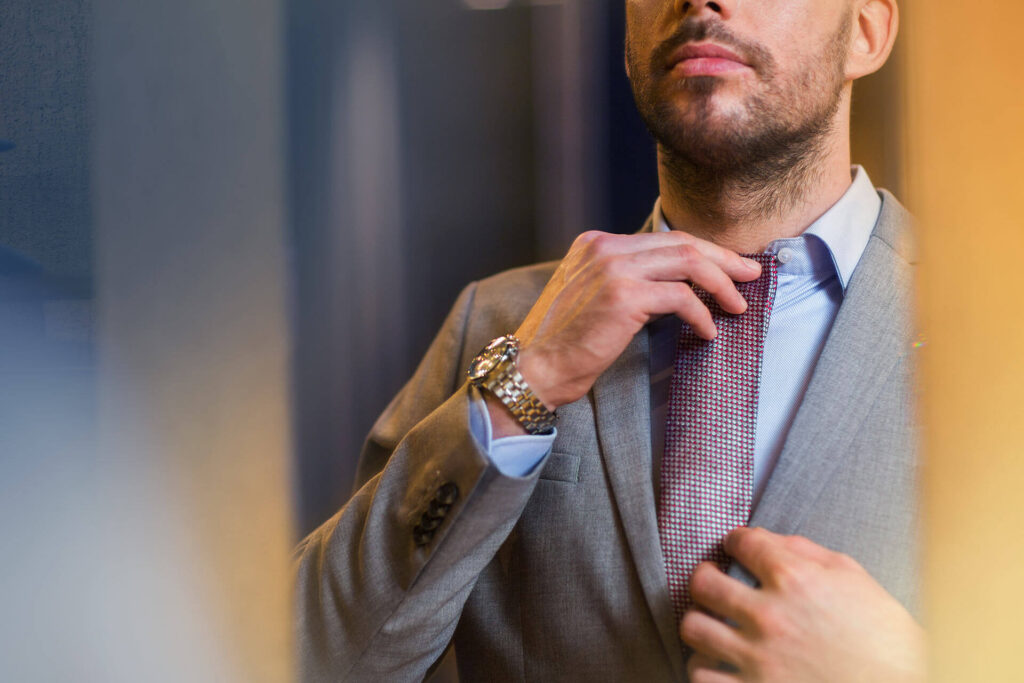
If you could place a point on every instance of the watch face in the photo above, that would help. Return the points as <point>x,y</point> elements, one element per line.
<point>482,365</point>
<point>493,353</point>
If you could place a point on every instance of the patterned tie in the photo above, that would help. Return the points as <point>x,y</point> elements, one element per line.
<point>707,473</point>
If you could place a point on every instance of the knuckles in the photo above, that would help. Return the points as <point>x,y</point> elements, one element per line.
<point>596,254</point>
<point>687,253</point>
<point>831,559</point>
<point>746,543</point>
<point>585,238</point>
<point>844,561</point>
<point>594,243</point>
<point>794,577</point>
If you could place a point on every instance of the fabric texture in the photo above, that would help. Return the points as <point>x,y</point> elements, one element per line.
<point>814,270</point>
<point>707,475</point>
<point>559,575</point>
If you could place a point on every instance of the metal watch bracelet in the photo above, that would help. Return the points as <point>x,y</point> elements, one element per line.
<point>512,390</point>
<point>495,369</point>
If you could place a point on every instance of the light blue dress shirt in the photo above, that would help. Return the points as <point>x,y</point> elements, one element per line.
<point>814,270</point>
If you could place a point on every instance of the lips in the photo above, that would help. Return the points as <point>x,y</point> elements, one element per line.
<point>705,59</point>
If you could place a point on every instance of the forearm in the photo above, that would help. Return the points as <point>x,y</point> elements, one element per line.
<point>376,597</point>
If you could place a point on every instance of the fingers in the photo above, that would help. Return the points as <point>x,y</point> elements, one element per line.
<point>809,550</point>
<point>704,669</point>
<point>712,637</point>
<point>712,589</point>
<point>764,553</point>
<point>686,263</point>
<point>607,288</point>
<point>775,559</point>
<point>627,264</point>
<point>596,245</point>
<point>663,298</point>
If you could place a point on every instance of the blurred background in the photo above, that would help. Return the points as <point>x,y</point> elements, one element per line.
<point>433,143</point>
<point>228,231</point>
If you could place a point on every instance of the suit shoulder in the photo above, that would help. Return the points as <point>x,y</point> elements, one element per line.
<point>896,227</point>
<point>502,301</point>
<point>514,290</point>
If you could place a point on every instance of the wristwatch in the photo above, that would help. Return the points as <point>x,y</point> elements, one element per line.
<point>494,369</point>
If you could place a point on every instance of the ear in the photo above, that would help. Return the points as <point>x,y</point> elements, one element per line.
<point>874,31</point>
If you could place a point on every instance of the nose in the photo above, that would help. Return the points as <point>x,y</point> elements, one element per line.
<point>695,7</point>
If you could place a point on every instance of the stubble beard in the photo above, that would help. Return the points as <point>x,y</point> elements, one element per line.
<point>753,163</point>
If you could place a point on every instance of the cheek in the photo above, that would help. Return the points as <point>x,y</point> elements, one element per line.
<point>638,19</point>
<point>794,29</point>
<point>638,53</point>
<point>648,22</point>
<point>797,57</point>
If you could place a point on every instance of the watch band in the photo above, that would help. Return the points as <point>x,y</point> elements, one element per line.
<point>495,370</point>
<point>512,390</point>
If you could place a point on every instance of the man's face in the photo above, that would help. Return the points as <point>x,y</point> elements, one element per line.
<point>730,83</point>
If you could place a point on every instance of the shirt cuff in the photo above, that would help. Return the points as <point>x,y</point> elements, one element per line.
<point>514,456</point>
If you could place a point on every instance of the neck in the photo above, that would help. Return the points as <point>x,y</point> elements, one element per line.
<point>744,210</point>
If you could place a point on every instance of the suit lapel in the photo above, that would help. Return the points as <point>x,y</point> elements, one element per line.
<point>870,335</point>
<point>623,416</point>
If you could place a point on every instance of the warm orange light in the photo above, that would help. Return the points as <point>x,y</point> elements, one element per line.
<point>965,107</point>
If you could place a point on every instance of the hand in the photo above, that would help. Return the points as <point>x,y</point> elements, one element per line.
<point>606,289</point>
<point>819,616</point>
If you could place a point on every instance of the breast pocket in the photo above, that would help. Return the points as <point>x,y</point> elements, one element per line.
<point>562,467</point>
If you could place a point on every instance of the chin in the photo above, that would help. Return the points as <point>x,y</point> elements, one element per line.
<point>715,143</point>
<point>707,131</point>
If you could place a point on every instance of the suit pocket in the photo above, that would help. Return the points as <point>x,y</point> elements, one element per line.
<point>561,467</point>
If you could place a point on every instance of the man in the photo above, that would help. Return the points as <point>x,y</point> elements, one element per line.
<point>575,554</point>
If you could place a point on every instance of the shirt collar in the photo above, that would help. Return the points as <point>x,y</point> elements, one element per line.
<point>844,229</point>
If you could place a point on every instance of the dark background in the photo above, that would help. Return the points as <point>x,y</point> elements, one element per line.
<point>427,144</point>
<point>479,176</point>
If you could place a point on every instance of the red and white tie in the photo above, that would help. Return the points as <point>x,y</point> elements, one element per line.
<point>707,472</point>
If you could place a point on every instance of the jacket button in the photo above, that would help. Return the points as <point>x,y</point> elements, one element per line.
<point>436,509</point>
<point>447,494</point>
<point>428,523</point>
<point>421,537</point>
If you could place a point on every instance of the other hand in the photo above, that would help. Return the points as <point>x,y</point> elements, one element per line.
<point>818,616</point>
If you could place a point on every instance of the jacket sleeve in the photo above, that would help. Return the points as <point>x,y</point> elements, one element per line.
<point>380,586</point>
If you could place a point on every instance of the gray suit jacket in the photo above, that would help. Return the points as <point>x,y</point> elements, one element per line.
<point>559,575</point>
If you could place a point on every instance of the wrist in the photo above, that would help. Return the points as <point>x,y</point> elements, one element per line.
<point>531,367</point>
<point>503,422</point>
<point>495,370</point>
